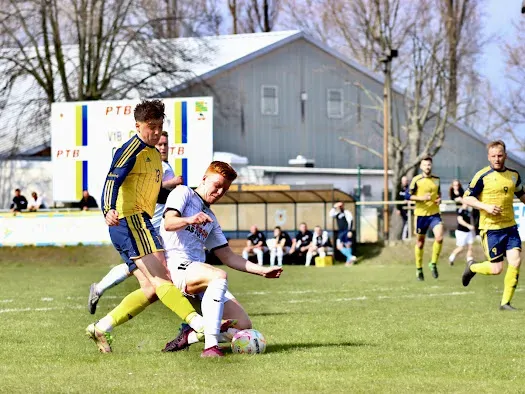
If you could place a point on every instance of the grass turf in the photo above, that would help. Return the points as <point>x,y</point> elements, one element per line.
<point>367,328</point>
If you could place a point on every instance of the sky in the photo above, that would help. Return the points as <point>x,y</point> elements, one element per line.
<point>499,17</point>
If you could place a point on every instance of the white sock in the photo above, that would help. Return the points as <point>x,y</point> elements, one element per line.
<point>260,256</point>
<point>212,306</point>
<point>245,255</point>
<point>115,276</point>
<point>308,258</point>
<point>197,323</point>
<point>452,258</point>
<point>193,338</point>
<point>105,324</point>
<point>280,254</point>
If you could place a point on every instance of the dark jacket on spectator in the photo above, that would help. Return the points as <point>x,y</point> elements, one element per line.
<point>89,203</point>
<point>19,203</point>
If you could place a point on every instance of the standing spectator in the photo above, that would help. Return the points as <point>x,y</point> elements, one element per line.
<point>19,202</point>
<point>87,201</point>
<point>301,242</point>
<point>256,243</point>
<point>401,208</point>
<point>344,244</point>
<point>319,246</point>
<point>35,203</point>
<point>456,192</point>
<point>465,234</point>
<point>343,217</point>
<point>280,247</point>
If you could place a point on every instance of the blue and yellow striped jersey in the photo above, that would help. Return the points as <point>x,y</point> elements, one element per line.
<point>420,186</point>
<point>134,179</point>
<point>496,188</point>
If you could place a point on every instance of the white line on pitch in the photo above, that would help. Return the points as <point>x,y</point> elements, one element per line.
<point>363,298</point>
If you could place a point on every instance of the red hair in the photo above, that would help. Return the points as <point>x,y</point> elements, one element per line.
<point>222,168</point>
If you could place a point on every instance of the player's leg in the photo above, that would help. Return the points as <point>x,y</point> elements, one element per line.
<point>310,254</point>
<point>460,243</point>
<point>199,278</point>
<point>273,256</point>
<point>438,230</point>
<point>245,253</point>
<point>115,276</point>
<point>321,251</point>
<point>470,242</point>
<point>421,227</point>
<point>513,268</point>
<point>280,255</point>
<point>259,252</point>
<point>494,243</point>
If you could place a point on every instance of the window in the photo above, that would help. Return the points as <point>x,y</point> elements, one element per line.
<point>334,103</point>
<point>269,100</point>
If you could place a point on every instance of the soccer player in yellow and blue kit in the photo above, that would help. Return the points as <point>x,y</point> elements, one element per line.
<point>426,192</point>
<point>492,191</point>
<point>128,201</point>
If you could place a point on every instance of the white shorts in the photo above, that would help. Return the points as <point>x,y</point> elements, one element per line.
<point>464,238</point>
<point>178,270</point>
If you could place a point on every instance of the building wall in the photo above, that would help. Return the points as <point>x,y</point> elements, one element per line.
<point>240,128</point>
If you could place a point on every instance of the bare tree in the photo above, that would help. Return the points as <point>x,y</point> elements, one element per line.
<point>251,16</point>
<point>180,18</point>
<point>79,50</point>
<point>464,42</point>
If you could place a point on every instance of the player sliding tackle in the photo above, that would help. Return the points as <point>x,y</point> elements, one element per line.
<point>128,202</point>
<point>188,226</point>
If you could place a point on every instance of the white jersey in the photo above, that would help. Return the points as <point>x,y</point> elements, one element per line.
<point>187,244</point>
<point>167,174</point>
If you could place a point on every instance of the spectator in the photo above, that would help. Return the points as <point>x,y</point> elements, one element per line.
<point>256,243</point>
<point>281,246</point>
<point>19,202</point>
<point>35,203</point>
<point>344,244</point>
<point>87,201</point>
<point>456,192</point>
<point>401,208</point>
<point>301,242</point>
<point>320,245</point>
<point>465,234</point>
<point>343,217</point>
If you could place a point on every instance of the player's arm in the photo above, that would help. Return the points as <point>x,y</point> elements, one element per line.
<point>236,262</point>
<point>412,190</point>
<point>471,197</point>
<point>122,164</point>
<point>519,190</point>
<point>464,223</point>
<point>172,183</point>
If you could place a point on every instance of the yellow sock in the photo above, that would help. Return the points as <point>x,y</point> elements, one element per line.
<point>511,281</point>
<point>436,251</point>
<point>170,296</point>
<point>484,268</point>
<point>131,306</point>
<point>419,257</point>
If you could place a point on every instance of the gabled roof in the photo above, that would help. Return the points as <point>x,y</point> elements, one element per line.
<point>223,53</point>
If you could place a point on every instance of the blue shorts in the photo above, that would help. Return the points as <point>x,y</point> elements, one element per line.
<point>497,242</point>
<point>134,238</point>
<point>423,223</point>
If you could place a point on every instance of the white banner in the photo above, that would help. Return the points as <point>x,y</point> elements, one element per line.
<point>519,215</point>
<point>54,229</point>
<point>85,135</point>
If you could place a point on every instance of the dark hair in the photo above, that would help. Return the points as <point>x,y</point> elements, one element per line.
<point>149,110</point>
<point>427,158</point>
<point>277,228</point>
<point>164,133</point>
<point>17,190</point>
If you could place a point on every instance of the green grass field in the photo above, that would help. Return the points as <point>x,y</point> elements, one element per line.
<point>367,328</point>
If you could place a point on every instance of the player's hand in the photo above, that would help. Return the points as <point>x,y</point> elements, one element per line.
<point>272,272</point>
<point>200,218</point>
<point>438,200</point>
<point>493,209</point>
<point>428,197</point>
<point>179,180</point>
<point>112,218</point>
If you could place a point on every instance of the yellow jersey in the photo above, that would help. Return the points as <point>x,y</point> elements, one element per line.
<point>496,188</point>
<point>420,186</point>
<point>134,180</point>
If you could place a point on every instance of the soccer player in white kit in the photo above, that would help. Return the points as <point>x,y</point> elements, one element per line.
<point>121,272</point>
<point>189,226</point>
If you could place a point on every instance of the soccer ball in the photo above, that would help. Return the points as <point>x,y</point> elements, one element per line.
<point>248,342</point>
